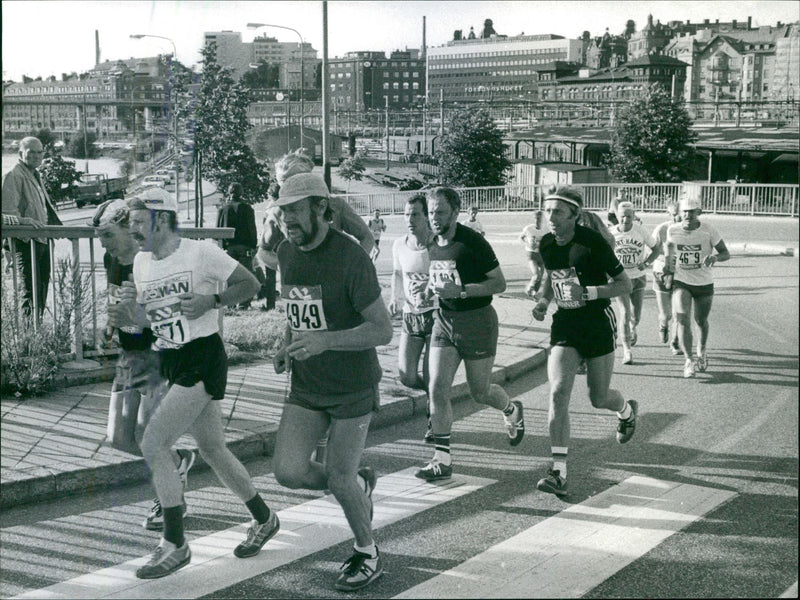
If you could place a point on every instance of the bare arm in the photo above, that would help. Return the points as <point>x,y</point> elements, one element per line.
<point>241,285</point>
<point>398,294</point>
<point>354,225</point>
<point>721,256</point>
<point>495,283</point>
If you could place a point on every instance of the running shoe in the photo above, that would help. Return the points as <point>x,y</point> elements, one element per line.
<point>515,424</point>
<point>258,534</point>
<point>675,347</point>
<point>627,427</point>
<point>627,357</point>
<point>702,362</point>
<point>553,483</point>
<point>165,561</point>
<point>187,462</point>
<point>663,330</point>
<point>155,517</point>
<point>434,471</point>
<point>359,571</point>
<point>634,336</point>
<point>688,369</point>
<point>370,481</point>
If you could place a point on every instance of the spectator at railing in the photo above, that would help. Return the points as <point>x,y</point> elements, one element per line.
<point>25,202</point>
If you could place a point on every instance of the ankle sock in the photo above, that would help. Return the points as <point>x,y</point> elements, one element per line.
<point>560,460</point>
<point>442,449</point>
<point>258,509</point>
<point>626,412</point>
<point>372,550</point>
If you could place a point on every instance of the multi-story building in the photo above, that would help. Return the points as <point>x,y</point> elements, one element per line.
<point>110,100</point>
<point>606,51</point>
<point>497,67</point>
<point>362,81</point>
<point>236,55</point>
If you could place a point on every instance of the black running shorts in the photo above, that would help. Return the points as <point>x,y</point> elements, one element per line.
<point>338,406</point>
<point>203,359</point>
<point>472,332</point>
<point>592,333</point>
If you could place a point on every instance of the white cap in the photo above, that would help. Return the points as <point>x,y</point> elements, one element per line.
<point>155,198</point>
<point>691,196</point>
<point>110,211</point>
<point>302,185</point>
<point>690,203</point>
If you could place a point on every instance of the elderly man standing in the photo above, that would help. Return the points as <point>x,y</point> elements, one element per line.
<point>25,202</point>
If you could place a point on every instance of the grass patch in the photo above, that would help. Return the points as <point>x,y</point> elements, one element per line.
<point>252,335</point>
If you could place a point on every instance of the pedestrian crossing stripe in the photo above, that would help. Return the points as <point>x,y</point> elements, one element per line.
<point>305,529</point>
<point>569,554</point>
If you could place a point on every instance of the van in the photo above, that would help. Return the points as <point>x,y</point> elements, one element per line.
<point>154,181</point>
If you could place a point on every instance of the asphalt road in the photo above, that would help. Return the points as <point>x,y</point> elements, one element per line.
<point>731,433</point>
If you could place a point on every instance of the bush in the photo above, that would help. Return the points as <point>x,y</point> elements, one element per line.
<point>250,335</point>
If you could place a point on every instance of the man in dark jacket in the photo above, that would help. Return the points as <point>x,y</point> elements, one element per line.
<point>240,216</point>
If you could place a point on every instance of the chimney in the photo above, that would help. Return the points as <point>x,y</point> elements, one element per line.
<point>705,21</point>
<point>96,47</point>
<point>733,24</point>
<point>749,22</point>
<point>424,44</point>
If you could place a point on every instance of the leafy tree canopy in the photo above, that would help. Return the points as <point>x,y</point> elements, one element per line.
<point>471,153</point>
<point>58,176</point>
<point>220,129</point>
<point>350,169</point>
<point>78,147</point>
<point>265,76</point>
<point>650,140</point>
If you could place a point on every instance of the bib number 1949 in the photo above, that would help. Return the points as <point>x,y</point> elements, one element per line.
<point>304,316</point>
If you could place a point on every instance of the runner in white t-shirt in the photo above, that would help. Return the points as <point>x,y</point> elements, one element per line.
<point>663,286</point>
<point>176,295</point>
<point>409,293</point>
<point>531,236</point>
<point>636,250</point>
<point>690,248</point>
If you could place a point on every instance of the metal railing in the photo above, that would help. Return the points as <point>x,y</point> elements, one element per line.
<point>70,243</point>
<point>718,198</point>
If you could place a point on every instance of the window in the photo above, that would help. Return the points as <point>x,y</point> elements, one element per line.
<point>395,86</point>
<point>405,85</point>
<point>386,85</point>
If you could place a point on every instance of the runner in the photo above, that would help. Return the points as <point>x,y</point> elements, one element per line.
<point>579,263</point>
<point>137,385</point>
<point>690,248</point>
<point>176,287</point>
<point>531,236</point>
<point>473,223</point>
<point>377,226</point>
<point>336,318</point>
<point>632,242</point>
<point>464,275</point>
<point>409,284</point>
<point>662,285</point>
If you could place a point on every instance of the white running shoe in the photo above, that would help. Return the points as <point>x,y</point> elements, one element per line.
<point>688,369</point>
<point>627,357</point>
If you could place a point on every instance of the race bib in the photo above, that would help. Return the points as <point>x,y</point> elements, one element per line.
<point>415,285</point>
<point>304,307</point>
<point>442,271</point>
<point>168,323</point>
<point>561,280</point>
<point>113,298</point>
<point>689,256</point>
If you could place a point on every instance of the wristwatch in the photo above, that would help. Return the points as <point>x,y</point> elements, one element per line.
<point>463,294</point>
<point>217,301</point>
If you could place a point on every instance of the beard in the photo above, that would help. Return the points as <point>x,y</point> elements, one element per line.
<point>299,237</point>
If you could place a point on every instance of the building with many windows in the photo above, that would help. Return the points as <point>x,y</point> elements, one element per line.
<point>362,81</point>
<point>497,67</point>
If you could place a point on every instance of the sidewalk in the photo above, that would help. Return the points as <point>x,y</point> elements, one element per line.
<point>53,446</point>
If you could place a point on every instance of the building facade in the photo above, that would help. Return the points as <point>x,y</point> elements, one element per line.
<point>497,67</point>
<point>364,80</point>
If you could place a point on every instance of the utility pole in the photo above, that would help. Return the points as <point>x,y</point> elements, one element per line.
<point>85,146</point>
<point>326,159</point>
<point>387,131</point>
<point>441,113</point>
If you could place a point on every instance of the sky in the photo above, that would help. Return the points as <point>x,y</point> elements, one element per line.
<point>43,38</point>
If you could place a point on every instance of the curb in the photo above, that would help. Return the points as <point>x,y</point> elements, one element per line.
<point>45,485</point>
<point>764,249</point>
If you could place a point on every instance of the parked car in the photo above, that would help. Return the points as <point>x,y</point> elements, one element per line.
<point>169,173</point>
<point>155,181</point>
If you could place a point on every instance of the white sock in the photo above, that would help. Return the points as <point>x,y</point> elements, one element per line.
<point>166,544</point>
<point>625,413</point>
<point>443,457</point>
<point>371,550</point>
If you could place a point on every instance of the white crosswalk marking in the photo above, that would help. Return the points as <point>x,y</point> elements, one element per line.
<point>567,555</point>
<point>305,529</point>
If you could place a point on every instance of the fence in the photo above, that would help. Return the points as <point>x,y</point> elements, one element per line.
<point>718,198</point>
<point>85,340</point>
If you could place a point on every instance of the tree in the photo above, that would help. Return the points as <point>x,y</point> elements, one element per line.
<point>58,176</point>
<point>221,126</point>
<point>265,76</point>
<point>76,148</point>
<point>48,141</point>
<point>350,169</point>
<point>472,153</point>
<point>650,141</point>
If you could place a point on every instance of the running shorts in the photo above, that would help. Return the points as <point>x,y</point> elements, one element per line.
<point>638,283</point>
<point>418,324</point>
<point>592,333</point>
<point>658,283</point>
<point>697,291</point>
<point>203,359</point>
<point>472,332</point>
<point>137,369</point>
<point>338,406</point>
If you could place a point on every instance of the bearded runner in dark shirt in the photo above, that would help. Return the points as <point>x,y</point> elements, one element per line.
<point>464,274</point>
<point>579,263</point>
<point>336,318</point>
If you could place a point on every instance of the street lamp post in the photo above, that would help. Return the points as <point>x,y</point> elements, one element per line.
<point>174,94</point>
<point>302,68</point>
